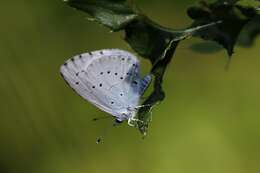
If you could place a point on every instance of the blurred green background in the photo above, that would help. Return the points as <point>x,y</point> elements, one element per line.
<point>208,123</point>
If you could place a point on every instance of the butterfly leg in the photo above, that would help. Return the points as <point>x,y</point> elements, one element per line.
<point>146,105</point>
<point>141,106</point>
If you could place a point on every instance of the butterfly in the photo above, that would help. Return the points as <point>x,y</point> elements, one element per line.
<point>110,80</point>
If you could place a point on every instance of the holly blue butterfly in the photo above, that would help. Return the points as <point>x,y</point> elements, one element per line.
<point>110,80</point>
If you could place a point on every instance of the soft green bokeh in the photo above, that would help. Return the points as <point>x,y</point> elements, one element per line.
<point>208,123</point>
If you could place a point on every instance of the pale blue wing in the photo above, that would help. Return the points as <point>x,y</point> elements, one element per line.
<point>107,78</point>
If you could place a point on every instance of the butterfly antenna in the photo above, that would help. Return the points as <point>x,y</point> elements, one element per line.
<point>100,138</point>
<point>105,130</point>
<point>101,118</point>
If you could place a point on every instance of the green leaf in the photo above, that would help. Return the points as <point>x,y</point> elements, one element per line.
<point>248,3</point>
<point>234,14</point>
<point>158,94</point>
<point>147,38</point>
<point>114,14</point>
<point>250,32</point>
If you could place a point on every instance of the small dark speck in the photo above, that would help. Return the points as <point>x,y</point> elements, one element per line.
<point>101,52</point>
<point>135,82</point>
<point>77,83</point>
<point>121,78</point>
<point>82,71</point>
<point>108,72</point>
<point>134,65</point>
<point>112,102</point>
<point>93,87</point>
<point>72,59</point>
<point>121,94</point>
<point>77,73</point>
<point>80,56</point>
<point>98,140</point>
<point>65,64</point>
<point>127,73</point>
<point>101,73</point>
<point>123,59</point>
<point>90,53</point>
<point>100,85</point>
<point>115,73</point>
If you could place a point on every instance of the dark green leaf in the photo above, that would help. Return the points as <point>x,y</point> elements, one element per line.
<point>158,94</point>
<point>250,32</point>
<point>206,47</point>
<point>114,14</point>
<point>234,14</point>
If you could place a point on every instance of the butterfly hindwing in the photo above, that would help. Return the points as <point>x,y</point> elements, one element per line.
<point>107,78</point>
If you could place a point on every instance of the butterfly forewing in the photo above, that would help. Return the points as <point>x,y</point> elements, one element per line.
<point>107,78</point>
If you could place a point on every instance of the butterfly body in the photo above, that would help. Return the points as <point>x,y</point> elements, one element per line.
<point>109,79</point>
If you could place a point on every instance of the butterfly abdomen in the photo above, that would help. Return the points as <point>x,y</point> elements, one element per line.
<point>145,83</point>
